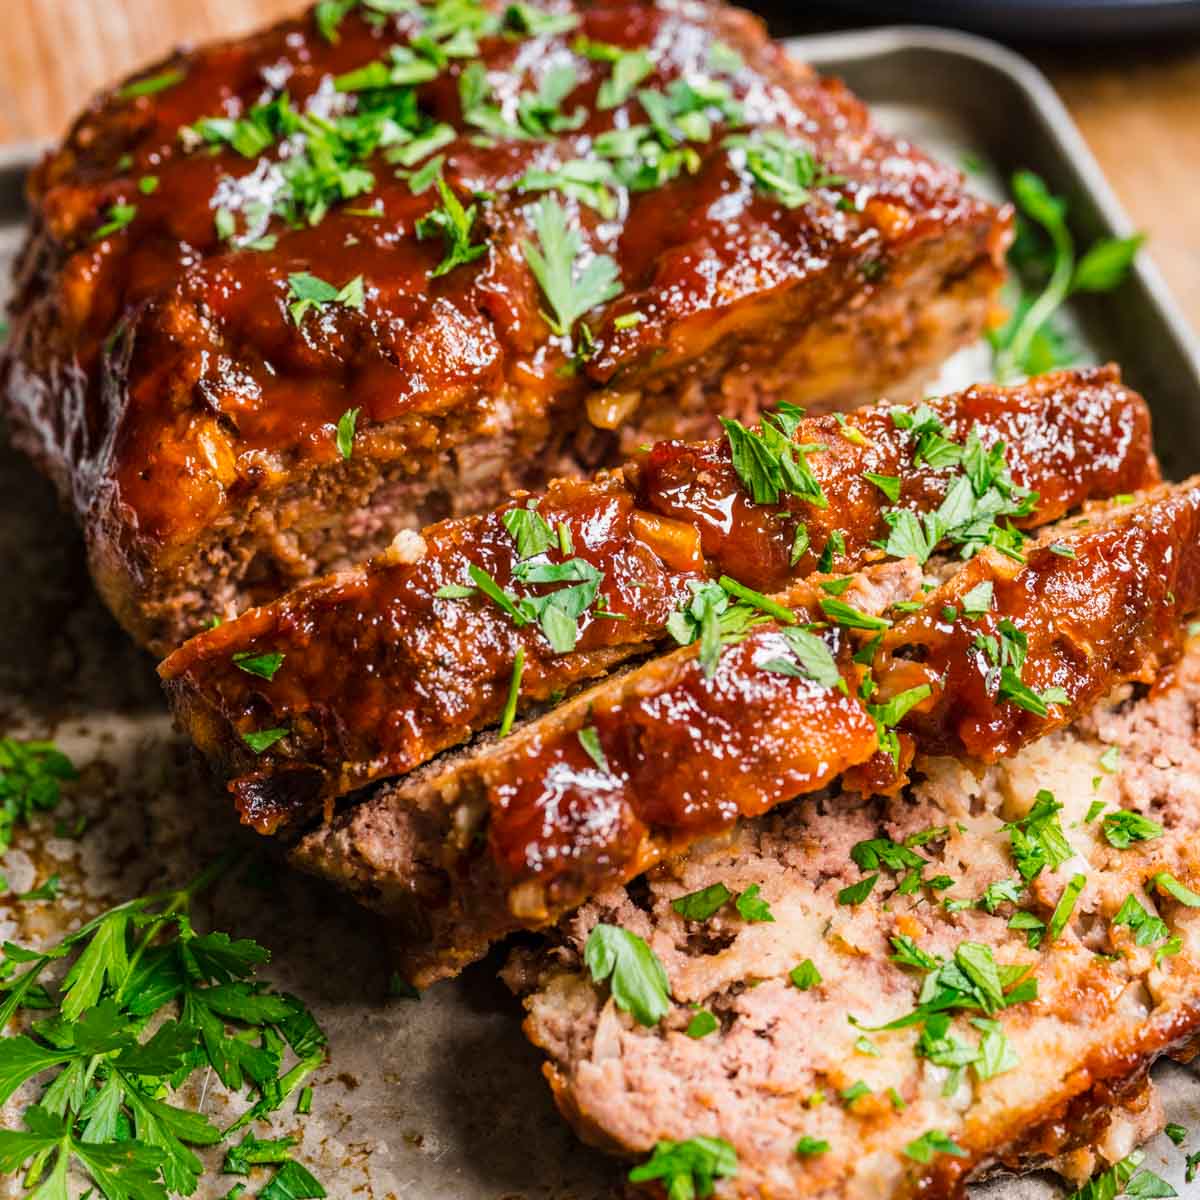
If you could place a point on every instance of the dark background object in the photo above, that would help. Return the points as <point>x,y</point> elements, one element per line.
<point>1018,20</point>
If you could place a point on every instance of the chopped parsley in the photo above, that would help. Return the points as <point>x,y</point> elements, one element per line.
<point>453,223</point>
<point>1065,906</point>
<point>978,600</point>
<point>811,659</point>
<point>151,85</point>
<point>1124,1179</point>
<point>119,216</point>
<point>264,664</point>
<point>571,286</point>
<point>688,1169</point>
<point>702,1024</point>
<point>589,739</point>
<point>509,715</point>
<point>345,431</point>
<point>752,908</point>
<point>31,778</point>
<point>856,893</point>
<point>849,617</point>
<point>805,976</point>
<point>807,1146</point>
<point>767,461</point>
<point>699,906</point>
<point>889,485</point>
<point>529,530</point>
<point>780,165</point>
<point>635,975</point>
<point>1147,930</point>
<point>1164,881</point>
<point>933,1142</point>
<point>757,600</point>
<point>1124,827</point>
<point>308,292</point>
<point>1038,840</point>
<point>586,180</point>
<point>260,741</point>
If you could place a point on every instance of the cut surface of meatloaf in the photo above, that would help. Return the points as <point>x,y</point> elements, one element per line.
<point>867,1040</point>
<point>370,673</point>
<point>254,336</point>
<point>515,832</point>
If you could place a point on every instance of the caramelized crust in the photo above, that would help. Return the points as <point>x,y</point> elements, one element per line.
<point>156,374</point>
<point>521,830</point>
<point>379,674</point>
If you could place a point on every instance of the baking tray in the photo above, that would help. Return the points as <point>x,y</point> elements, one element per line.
<point>442,1099</point>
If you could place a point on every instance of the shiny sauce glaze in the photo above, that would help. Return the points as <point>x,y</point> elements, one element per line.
<point>379,674</point>
<point>159,364</point>
<point>1099,606</point>
<point>686,755</point>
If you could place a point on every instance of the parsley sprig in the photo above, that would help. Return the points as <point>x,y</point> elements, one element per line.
<point>31,778</point>
<point>571,284</point>
<point>108,1108</point>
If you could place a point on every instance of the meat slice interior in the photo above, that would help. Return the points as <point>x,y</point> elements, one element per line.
<point>790,1060</point>
<point>369,673</point>
<point>513,833</point>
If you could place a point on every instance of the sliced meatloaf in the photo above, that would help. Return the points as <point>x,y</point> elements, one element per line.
<point>515,832</point>
<point>370,673</point>
<point>871,998</point>
<point>286,295</point>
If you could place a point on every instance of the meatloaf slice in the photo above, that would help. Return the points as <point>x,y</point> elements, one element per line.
<point>370,673</point>
<point>253,335</point>
<point>851,1027</point>
<point>516,832</point>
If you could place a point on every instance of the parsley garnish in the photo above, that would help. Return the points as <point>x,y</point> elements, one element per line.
<point>31,775</point>
<point>849,617</point>
<point>108,1108</point>
<point>571,287</point>
<point>780,165</point>
<point>699,906</point>
<point>529,530</point>
<point>889,485</point>
<point>805,976</point>
<point>119,216</point>
<point>757,600</point>
<point>1120,1179</point>
<point>688,1169</point>
<point>345,431</point>
<point>307,292</point>
<point>454,224</point>
<point>702,1024</point>
<point>856,893</point>
<point>1037,838</point>
<point>589,739</point>
<point>1164,881</point>
<point>812,659</point>
<point>1124,827</point>
<point>514,692</point>
<point>1065,906</point>
<point>582,179</point>
<point>536,22</point>
<point>808,1146</point>
<point>752,908</point>
<point>262,740</point>
<point>767,461</point>
<point>933,1142</point>
<point>264,665</point>
<point>151,85</point>
<point>636,977</point>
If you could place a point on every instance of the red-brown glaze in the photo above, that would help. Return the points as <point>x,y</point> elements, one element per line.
<point>687,755</point>
<point>158,375</point>
<point>1111,614</point>
<point>1069,434</point>
<point>379,675</point>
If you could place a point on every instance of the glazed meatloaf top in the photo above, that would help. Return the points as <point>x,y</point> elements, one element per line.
<point>370,673</point>
<point>375,232</point>
<point>881,999</point>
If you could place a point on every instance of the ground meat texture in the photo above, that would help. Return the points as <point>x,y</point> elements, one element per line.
<point>522,829</point>
<point>379,672</point>
<point>1106,1006</point>
<point>155,373</point>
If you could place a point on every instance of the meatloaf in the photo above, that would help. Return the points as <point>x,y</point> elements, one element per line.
<point>286,295</point>
<point>515,832</point>
<point>370,673</point>
<point>863,999</point>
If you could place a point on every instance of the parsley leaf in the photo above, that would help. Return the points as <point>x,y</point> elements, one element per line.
<point>812,659</point>
<point>31,775</point>
<point>1124,827</point>
<point>307,292</point>
<point>454,223</point>
<point>119,216</point>
<point>345,431</point>
<point>1065,906</point>
<point>805,976</point>
<point>769,464</point>
<point>261,740</point>
<point>1038,840</point>
<point>572,287</point>
<point>589,739</point>
<point>699,906</point>
<point>933,1142</point>
<point>752,908</point>
<point>688,1169</point>
<point>635,974</point>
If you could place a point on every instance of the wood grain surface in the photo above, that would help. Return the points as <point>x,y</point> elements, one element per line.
<point>1138,106</point>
